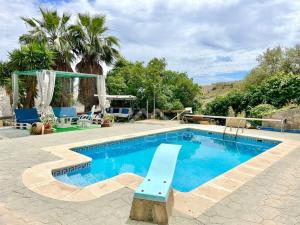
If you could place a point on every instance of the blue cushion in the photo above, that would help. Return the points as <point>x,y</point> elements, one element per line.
<point>156,186</point>
<point>125,111</point>
<point>26,115</point>
<point>115,110</point>
<point>65,112</point>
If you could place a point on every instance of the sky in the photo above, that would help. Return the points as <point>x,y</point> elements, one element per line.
<point>210,40</point>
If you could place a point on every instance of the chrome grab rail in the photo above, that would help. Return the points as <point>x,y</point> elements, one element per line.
<point>225,128</point>
<point>237,130</point>
<point>282,124</point>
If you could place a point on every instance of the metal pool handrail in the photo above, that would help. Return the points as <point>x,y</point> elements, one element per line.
<point>282,121</point>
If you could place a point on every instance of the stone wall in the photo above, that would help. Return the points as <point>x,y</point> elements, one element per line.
<point>292,116</point>
<point>5,107</point>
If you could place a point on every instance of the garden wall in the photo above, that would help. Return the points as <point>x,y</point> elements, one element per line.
<point>5,108</point>
<point>292,116</point>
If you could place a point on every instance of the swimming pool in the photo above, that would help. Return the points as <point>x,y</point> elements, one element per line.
<point>295,131</point>
<point>204,155</point>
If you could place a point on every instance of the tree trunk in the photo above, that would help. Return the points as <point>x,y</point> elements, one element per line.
<point>87,86</point>
<point>31,92</point>
<point>64,98</point>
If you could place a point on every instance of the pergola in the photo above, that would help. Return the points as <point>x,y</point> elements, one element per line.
<point>58,74</point>
<point>46,84</point>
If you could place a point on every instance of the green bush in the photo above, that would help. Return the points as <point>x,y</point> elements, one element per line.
<point>262,110</point>
<point>281,89</point>
<point>177,105</point>
<point>220,105</point>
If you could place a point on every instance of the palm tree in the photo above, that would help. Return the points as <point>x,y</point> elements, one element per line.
<point>29,57</point>
<point>52,30</point>
<point>91,44</point>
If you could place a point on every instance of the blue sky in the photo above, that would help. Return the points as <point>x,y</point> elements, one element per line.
<point>211,40</point>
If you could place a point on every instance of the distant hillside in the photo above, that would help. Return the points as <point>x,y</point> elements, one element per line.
<point>210,92</point>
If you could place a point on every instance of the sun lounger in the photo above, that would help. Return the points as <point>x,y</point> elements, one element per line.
<point>66,112</point>
<point>86,119</point>
<point>153,200</point>
<point>25,117</point>
<point>125,113</point>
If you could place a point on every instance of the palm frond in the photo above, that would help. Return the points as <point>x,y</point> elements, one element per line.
<point>29,22</point>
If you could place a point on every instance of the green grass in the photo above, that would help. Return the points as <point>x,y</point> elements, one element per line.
<point>75,128</point>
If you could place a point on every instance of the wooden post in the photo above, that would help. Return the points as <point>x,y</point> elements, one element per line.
<point>152,211</point>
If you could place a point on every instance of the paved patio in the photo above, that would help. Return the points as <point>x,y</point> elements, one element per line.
<point>272,197</point>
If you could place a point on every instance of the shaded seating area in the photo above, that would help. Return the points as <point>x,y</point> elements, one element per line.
<point>66,112</point>
<point>153,200</point>
<point>117,112</point>
<point>25,117</point>
<point>64,117</point>
<point>123,107</point>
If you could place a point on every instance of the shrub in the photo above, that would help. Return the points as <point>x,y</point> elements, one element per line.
<point>262,110</point>
<point>281,89</point>
<point>177,105</point>
<point>220,105</point>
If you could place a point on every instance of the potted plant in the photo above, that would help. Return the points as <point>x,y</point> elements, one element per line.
<point>108,120</point>
<point>46,125</point>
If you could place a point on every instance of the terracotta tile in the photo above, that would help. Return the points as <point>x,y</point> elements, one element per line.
<point>211,192</point>
<point>225,183</point>
<point>248,170</point>
<point>32,180</point>
<point>257,164</point>
<point>129,180</point>
<point>237,176</point>
<point>269,155</point>
<point>55,190</point>
<point>104,187</point>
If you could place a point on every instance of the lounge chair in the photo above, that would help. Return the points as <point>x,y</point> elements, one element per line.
<point>153,200</point>
<point>86,119</point>
<point>125,113</point>
<point>25,117</point>
<point>66,112</point>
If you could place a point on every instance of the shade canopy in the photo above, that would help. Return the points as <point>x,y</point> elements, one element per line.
<point>121,97</point>
<point>58,74</point>
<point>46,83</point>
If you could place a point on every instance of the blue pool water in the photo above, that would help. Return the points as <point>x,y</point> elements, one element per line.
<point>204,155</point>
<point>295,131</point>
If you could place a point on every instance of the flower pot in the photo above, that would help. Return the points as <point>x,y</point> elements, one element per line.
<point>106,123</point>
<point>40,128</point>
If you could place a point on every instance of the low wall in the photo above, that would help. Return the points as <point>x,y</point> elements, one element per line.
<point>5,107</point>
<point>292,116</point>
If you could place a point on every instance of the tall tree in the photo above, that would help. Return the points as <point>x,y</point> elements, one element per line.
<point>29,57</point>
<point>52,30</point>
<point>92,45</point>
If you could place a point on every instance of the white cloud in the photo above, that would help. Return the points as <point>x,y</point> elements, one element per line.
<point>193,35</point>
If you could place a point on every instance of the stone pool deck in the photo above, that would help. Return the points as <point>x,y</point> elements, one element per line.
<point>272,197</point>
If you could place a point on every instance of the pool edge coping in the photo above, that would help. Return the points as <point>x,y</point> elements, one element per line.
<point>39,177</point>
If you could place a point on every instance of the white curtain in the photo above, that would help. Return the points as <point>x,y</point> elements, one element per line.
<point>15,85</point>
<point>46,84</point>
<point>101,88</point>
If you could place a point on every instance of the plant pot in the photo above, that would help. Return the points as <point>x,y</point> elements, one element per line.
<point>39,128</point>
<point>106,124</point>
